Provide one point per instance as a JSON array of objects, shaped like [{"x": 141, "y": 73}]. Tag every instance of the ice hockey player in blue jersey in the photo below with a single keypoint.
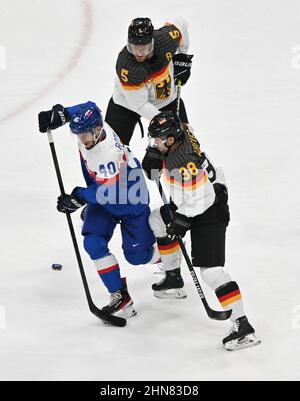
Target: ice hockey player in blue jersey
[{"x": 116, "y": 193}]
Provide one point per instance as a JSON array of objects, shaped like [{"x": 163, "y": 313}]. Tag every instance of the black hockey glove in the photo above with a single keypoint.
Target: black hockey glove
[
  {"x": 182, "y": 67},
  {"x": 70, "y": 203},
  {"x": 179, "y": 225},
  {"x": 54, "y": 118},
  {"x": 153, "y": 163},
  {"x": 167, "y": 211}
]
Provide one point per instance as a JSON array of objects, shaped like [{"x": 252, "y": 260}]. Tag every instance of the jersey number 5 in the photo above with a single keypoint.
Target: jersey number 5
[
  {"x": 124, "y": 75},
  {"x": 175, "y": 34}
]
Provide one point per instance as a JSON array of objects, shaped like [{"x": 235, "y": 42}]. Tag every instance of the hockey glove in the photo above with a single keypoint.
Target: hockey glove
[
  {"x": 179, "y": 225},
  {"x": 70, "y": 203},
  {"x": 153, "y": 163},
  {"x": 182, "y": 67},
  {"x": 54, "y": 118}
]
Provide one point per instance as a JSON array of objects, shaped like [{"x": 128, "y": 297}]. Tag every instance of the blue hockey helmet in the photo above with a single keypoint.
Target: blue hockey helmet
[{"x": 86, "y": 118}]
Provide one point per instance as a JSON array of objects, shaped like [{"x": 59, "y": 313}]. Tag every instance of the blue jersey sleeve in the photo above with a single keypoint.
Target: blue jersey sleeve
[{"x": 89, "y": 194}]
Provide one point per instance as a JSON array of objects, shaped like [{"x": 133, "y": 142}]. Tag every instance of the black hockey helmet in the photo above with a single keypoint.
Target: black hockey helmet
[
  {"x": 140, "y": 31},
  {"x": 166, "y": 124}
]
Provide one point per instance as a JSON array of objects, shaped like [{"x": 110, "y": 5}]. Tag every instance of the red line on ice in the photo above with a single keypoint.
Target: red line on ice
[{"x": 70, "y": 65}]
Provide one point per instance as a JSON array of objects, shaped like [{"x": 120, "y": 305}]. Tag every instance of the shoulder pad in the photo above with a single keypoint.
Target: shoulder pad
[
  {"x": 166, "y": 41},
  {"x": 130, "y": 72},
  {"x": 193, "y": 143}
]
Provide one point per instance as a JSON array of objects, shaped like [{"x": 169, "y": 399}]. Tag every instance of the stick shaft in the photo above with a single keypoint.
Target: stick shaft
[{"x": 69, "y": 220}]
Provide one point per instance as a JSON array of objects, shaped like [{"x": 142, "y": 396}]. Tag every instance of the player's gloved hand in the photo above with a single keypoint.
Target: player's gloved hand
[
  {"x": 153, "y": 163},
  {"x": 70, "y": 203},
  {"x": 54, "y": 118},
  {"x": 179, "y": 225},
  {"x": 182, "y": 67}
]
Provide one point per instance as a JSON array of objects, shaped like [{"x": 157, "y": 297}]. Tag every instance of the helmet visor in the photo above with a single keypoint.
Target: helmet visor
[
  {"x": 153, "y": 142},
  {"x": 141, "y": 50}
]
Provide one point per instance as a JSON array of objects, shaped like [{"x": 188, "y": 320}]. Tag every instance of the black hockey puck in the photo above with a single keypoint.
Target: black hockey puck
[{"x": 56, "y": 266}]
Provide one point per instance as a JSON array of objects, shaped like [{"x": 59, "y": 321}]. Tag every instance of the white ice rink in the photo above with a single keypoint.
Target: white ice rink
[{"x": 243, "y": 100}]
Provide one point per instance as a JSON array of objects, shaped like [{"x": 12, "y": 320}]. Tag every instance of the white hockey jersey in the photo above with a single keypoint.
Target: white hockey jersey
[
  {"x": 147, "y": 87},
  {"x": 104, "y": 160},
  {"x": 189, "y": 176},
  {"x": 112, "y": 172}
]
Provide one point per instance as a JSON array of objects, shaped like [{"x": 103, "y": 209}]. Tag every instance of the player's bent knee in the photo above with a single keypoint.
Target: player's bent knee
[
  {"x": 215, "y": 277},
  {"x": 157, "y": 224},
  {"x": 95, "y": 246},
  {"x": 140, "y": 257}
]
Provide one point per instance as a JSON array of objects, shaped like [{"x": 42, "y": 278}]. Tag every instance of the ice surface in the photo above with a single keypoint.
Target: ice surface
[{"x": 243, "y": 99}]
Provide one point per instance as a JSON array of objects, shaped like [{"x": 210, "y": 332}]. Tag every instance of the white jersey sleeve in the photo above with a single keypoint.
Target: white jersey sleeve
[{"x": 182, "y": 25}]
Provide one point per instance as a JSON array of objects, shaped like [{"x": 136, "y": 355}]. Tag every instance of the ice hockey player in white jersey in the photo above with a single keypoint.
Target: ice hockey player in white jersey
[
  {"x": 200, "y": 204},
  {"x": 116, "y": 193},
  {"x": 147, "y": 71}
]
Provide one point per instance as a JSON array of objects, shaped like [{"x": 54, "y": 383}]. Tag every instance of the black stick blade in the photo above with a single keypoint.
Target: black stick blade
[
  {"x": 216, "y": 315},
  {"x": 110, "y": 319}
]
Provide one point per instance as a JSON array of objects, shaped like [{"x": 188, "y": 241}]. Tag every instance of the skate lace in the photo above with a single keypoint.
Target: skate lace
[
  {"x": 235, "y": 327},
  {"x": 160, "y": 269},
  {"x": 115, "y": 298}
]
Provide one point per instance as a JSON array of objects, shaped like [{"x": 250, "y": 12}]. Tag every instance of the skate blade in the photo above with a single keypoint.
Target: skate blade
[
  {"x": 247, "y": 342},
  {"x": 126, "y": 313},
  {"x": 177, "y": 293}
]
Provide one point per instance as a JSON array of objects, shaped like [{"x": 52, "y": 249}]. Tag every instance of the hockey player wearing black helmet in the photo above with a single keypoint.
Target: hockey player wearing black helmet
[
  {"x": 147, "y": 72},
  {"x": 200, "y": 205},
  {"x": 140, "y": 39}
]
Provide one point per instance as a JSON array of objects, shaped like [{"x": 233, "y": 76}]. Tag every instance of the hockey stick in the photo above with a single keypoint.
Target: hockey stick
[
  {"x": 113, "y": 320},
  {"x": 179, "y": 85},
  {"x": 215, "y": 315}
]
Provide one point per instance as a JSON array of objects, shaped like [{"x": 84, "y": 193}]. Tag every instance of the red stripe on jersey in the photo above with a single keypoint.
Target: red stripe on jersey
[{"x": 109, "y": 181}]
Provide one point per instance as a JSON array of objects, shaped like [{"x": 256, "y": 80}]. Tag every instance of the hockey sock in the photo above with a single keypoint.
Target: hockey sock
[
  {"x": 230, "y": 297},
  {"x": 170, "y": 253},
  {"x": 109, "y": 272},
  {"x": 155, "y": 259}
]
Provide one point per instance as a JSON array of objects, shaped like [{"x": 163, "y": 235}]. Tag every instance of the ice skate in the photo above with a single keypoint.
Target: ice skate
[
  {"x": 121, "y": 303},
  {"x": 242, "y": 336},
  {"x": 171, "y": 286}
]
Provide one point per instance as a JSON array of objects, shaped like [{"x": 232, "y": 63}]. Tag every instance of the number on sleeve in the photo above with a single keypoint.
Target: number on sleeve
[
  {"x": 211, "y": 172},
  {"x": 175, "y": 34}
]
